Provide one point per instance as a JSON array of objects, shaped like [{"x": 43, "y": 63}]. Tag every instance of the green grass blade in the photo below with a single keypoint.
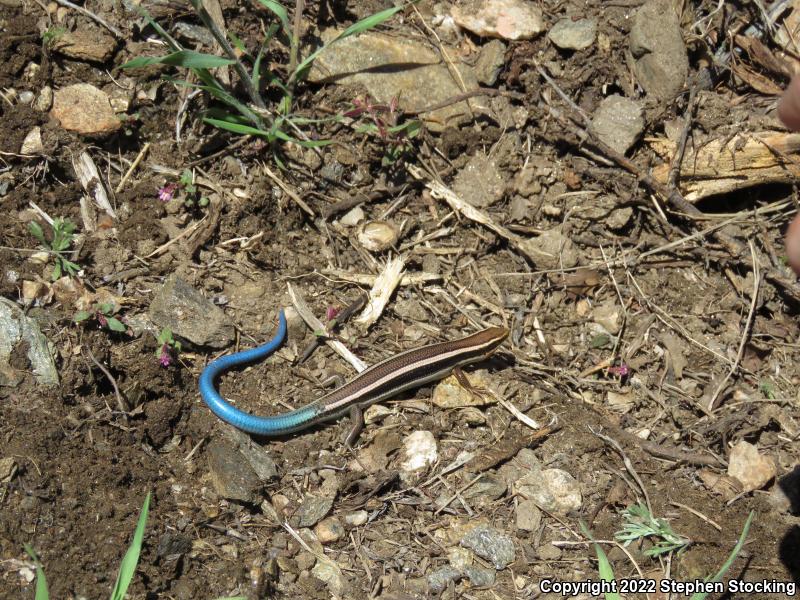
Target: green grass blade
[
  {"x": 359, "y": 27},
  {"x": 171, "y": 42},
  {"x": 732, "y": 557},
  {"x": 605, "y": 570},
  {"x": 603, "y": 566},
  {"x": 42, "y": 592},
  {"x": 279, "y": 11},
  {"x": 236, "y": 127},
  {"x": 182, "y": 58},
  {"x": 127, "y": 567},
  {"x": 304, "y": 143}
]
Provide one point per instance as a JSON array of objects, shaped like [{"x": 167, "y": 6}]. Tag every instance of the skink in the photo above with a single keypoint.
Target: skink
[{"x": 386, "y": 379}]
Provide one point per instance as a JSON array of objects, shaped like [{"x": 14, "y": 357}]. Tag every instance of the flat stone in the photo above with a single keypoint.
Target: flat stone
[
  {"x": 480, "y": 182},
  {"x": 490, "y": 61},
  {"x": 32, "y": 144},
  {"x": 439, "y": 579},
  {"x": 553, "y": 490},
  {"x": 391, "y": 67},
  {"x": 618, "y": 122},
  {"x": 190, "y": 315},
  {"x": 573, "y": 35},
  {"x": 508, "y": 19},
  {"x": 86, "y": 44},
  {"x": 661, "y": 64},
  {"x": 490, "y": 544},
  {"x": 528, "y": 516},
  {"x": 16, "y": 328},
  {"x": 480, "y": 577},
  {"x": 257, "y": 456},
  {"x": 313, "y": 509},
  {"x": 232, "y": 477},
  {"x": 330, "y": 573},
  {"x": 551, "y": 249},
  {"x": 752, "y": 469},
  {"x": 84, "y": 109}
]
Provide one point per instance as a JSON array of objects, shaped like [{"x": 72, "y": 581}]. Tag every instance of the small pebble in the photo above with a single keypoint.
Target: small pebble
[{"x": 329, "y": 530}]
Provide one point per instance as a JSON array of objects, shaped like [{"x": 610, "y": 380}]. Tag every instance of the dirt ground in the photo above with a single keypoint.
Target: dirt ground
[{"x": 675, "y": 351}]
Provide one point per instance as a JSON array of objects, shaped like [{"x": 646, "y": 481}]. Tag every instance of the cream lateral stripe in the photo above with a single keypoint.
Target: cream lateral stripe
[
  {"x": 364, "y": 389},
  {"x": 340, "y": 408}
]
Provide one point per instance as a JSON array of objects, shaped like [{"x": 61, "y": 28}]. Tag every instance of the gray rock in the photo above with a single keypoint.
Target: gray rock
[
  {"x": 329, "y": 572},
  {"x": 439, "y": 579},
  {"x": 480, "y": 182},
  {"x": 257, "y": 456},
  {"x": 508, "y": 19},
  {"x": 528, "y": 516},
  {"x": 656, "y": 44},
  {"x": 188, "y": 32},
  {"x": 490, "y": 60},
  {"x": 490, "y": 544},
  {"x": 232, "y": 477},
  {"x": 487, "y": 489},
  {"x": 313, "y": 509},
  {"x": 553, "y": 490},
  {"x": 190, "y": 315},
  {"x": 392, "y": 67},
  {"x": 173, "y": 545},
  {"x": 480, "y": 576},
  {"x": 573, "y": 35},
  {"x": 618, "y": 122},
  {"x": 15, "y": 329},
  {"x": 411, "y": 310},
  {"x": 44, "y": 100}
]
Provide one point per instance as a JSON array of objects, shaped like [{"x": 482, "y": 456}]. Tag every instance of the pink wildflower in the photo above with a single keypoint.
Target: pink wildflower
[
  {"x": 620, "y": 371},
  {"x": 166, "y": 193},
  {"x": 165, "y": 359},
  {"x": 330, "y": 313}
]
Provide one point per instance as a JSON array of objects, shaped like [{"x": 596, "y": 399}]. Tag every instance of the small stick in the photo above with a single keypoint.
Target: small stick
[
  {"x": 698, "y": 514},
  {"x": 628, "y": 465},
  {"x": 712, "y": 403},
  {"x": 316, "y": 325},
  {"x": 383, "y": 288},
  {"x": 340, "y": 318},
  {"x": 122, "y": 405},
  {"x": 289, "y": 192},
  {"x": 182, "y": 234},
  {"x": 132, "y": 168},
  {"x": 366, "y": 279},
  {"x": 91, "y": 15}
]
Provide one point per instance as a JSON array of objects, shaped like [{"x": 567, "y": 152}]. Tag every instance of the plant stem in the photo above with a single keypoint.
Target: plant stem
[
  {"x": 299, "y": 6},
  {"x": 226, "y": 47}
]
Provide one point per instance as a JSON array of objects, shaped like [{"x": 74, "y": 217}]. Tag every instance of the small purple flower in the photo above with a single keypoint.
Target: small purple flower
[
  {"x": 165, "y": 359},
  {"x": 166, "y": 193},
  {"x": 101, "y": 318},
  {"x": 330, "y": 313},
  {"x": 620, "y": 371}
]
